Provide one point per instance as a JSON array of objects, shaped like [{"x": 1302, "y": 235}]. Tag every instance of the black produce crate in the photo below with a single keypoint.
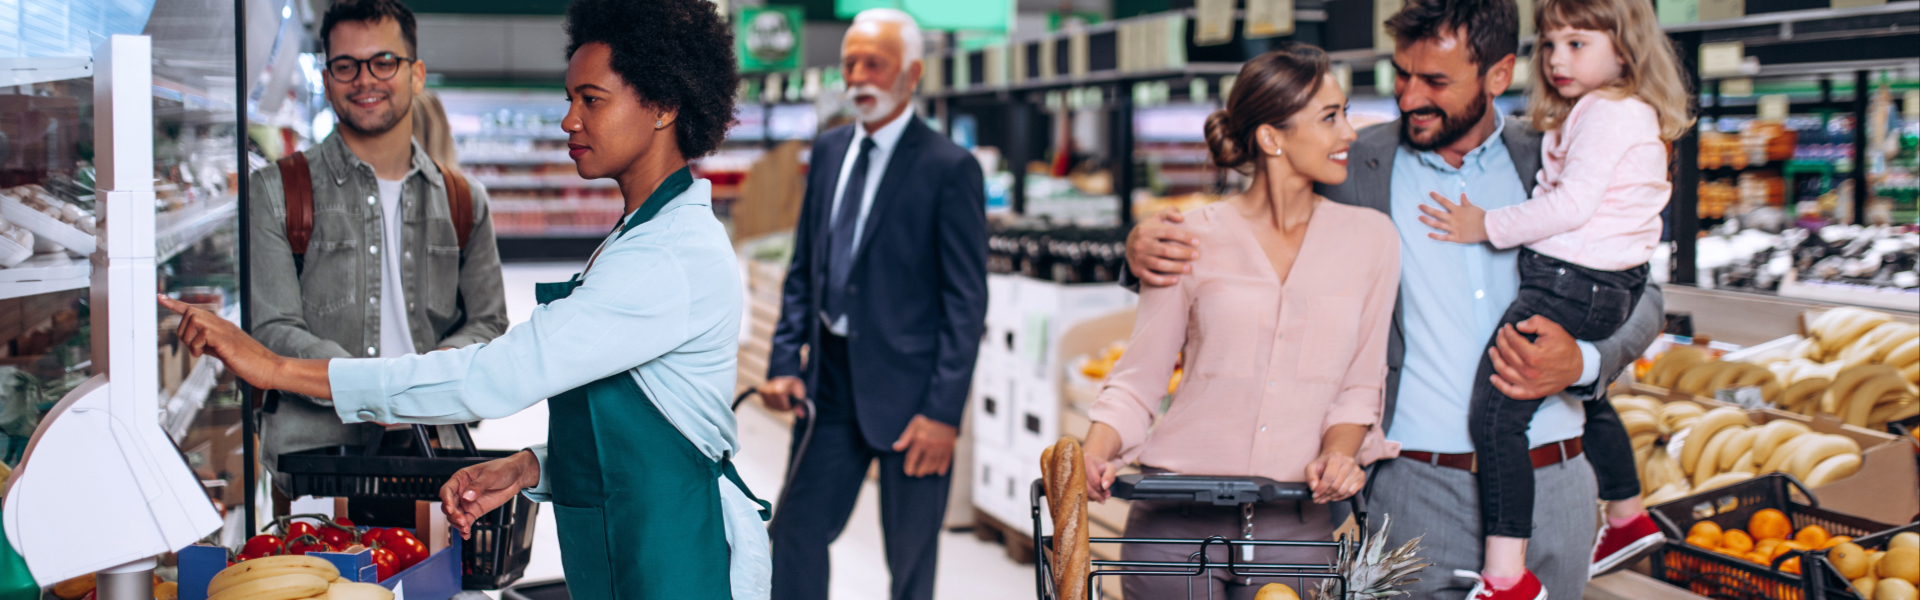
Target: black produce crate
[
  {"x": 1833, "y": 586},
  {"x": 502, "y": 540},
  {"x": 1719, "y": 576}
]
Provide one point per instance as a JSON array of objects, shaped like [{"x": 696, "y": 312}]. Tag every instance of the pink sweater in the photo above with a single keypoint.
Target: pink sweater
[
  {"x": 1270, "y": 365},
  {"x": 1602, "y": 185}
]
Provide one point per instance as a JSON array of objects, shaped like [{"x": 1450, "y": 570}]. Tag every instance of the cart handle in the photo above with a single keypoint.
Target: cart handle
[
  {"x": 1038, "y": 491},
  {"x": 799, "y": 453}
]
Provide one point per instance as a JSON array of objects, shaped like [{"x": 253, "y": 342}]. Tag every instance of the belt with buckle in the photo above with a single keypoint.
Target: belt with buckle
[{"x": 1544, "y": 456}]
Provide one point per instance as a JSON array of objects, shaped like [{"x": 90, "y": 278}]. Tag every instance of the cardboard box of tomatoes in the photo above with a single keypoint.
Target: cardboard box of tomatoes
[{"x": 391, "y": 557}]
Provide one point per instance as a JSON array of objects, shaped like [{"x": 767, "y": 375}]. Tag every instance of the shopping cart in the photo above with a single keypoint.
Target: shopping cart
[
  {"x": 1244, "y": 492},
  {"x": 799, "y": 450}
]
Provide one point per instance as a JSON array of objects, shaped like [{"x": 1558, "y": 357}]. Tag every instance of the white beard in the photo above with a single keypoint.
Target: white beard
[{"x": 884, "y": 102}]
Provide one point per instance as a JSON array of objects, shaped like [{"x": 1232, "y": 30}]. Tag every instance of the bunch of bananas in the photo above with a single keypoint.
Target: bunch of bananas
[
  {"x": 1857, "y": 365},
  {"x": 1723, "y": 446},
  {"x": 291, "y": 577}
]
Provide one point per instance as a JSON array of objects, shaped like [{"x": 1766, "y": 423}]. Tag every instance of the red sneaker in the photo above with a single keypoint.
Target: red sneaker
[
  {"x": 1617, "y": 547},
  {"x": 1528, "y": 589}
]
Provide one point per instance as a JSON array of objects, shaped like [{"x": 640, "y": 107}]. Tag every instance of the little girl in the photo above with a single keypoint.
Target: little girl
[{"x": 1608, "y": 93}]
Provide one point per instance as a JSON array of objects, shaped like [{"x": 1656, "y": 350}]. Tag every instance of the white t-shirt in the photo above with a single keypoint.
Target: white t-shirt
[{"x": 396, "y": 338}]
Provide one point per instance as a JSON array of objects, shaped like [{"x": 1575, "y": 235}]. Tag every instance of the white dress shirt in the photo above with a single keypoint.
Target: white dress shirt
[{"x": 884, "y": 141}]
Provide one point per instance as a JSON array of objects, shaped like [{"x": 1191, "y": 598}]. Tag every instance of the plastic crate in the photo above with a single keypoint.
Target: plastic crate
[
  {"x": 1717, "y": 575},
  {"x": 502, "y": 540},
  {"x": 1834, "y": 586}
]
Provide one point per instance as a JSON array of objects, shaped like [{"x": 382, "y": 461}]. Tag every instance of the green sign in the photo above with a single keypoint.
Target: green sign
[
  {"x": 847, "y": 9},
  {"x": 767, "y": 38}
]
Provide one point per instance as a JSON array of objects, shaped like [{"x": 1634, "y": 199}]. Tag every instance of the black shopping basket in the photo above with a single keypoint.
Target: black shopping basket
[
  {"x": 414, "y": 469},
  {"x": 1199, "y": 489},
  {"x": 1715, "y": 575}
]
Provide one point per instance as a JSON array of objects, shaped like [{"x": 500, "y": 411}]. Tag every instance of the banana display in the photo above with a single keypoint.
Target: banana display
[
  {"x": 1857, "y": 365},
  {"x": 291, "y": 577},
  {"x": 1723, "y": 447}
]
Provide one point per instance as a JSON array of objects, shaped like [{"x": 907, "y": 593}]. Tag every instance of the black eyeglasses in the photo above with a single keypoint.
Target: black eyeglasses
[{"x": 383, "y": 66}]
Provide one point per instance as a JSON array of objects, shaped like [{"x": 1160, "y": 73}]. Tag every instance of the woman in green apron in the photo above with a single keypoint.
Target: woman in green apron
[{"x": 636, "y": 353}]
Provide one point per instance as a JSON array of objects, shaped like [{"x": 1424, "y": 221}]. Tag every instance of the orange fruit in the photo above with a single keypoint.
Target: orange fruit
[
  {"x": 1703, "y": 542},
  {"x": 1706, "y": 530},
  {"x": 1755, "y": 557},
  {"x": 1765, "y": 547},
  {"x": 1791, "y": 566},
  {"x": 1814, "y": 536},
  {"x": 1835, "y": 541},
  {"x": 1737, "y": 541},
  {"x": 1770, "y": 524}
]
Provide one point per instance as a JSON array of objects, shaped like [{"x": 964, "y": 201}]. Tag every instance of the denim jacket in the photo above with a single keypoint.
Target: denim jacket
[{"x": 330, "y": 308}]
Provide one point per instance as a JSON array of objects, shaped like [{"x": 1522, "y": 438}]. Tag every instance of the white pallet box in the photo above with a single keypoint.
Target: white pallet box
[
  {"x": 1000, "y": 486},
  {"x": 1036, "y": 420},
  {"x": 1002, "y": 298},
  {"x": 1049, "y": 310},
  {"x": 991, "y": 405}
]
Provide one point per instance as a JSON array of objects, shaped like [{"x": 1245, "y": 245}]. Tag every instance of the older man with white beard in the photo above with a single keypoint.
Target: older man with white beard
[{"x": 888, "y": 294}]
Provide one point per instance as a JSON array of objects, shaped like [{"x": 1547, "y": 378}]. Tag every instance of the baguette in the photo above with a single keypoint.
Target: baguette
[{"x": 1066, "y": 485}]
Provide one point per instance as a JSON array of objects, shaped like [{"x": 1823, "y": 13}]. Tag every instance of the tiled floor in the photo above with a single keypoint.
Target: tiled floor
[{"x": 968, "y": 568}]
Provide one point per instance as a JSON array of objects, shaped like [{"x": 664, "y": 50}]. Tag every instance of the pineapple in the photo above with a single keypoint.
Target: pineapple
[{"x": 1371, "y": 571}]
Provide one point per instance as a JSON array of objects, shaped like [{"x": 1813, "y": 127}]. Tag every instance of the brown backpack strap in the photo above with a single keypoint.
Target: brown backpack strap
[
  {"x": 459, "y": 204},
  {"x": 296, "y": 187}
]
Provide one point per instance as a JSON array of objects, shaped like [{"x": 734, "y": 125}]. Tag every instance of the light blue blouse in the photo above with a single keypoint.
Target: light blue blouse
[{"x": 661, "y": 303}]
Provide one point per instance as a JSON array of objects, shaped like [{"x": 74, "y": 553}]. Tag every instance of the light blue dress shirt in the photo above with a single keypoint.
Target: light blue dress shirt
[
  {"x": 660, "y": 303},
  {"x": 1452, "y": 296},
  {"x": 885, "y": 139}
]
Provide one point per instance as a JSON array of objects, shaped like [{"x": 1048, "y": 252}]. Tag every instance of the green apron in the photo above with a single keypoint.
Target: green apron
[{"x": 637, "y": 504}]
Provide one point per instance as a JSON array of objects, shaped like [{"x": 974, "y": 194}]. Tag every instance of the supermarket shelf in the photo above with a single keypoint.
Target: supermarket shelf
[
  {"x": 538, "y": 157},
  {"x": 1102, "y": 77},
  {"x": 27, "y": 71},
  {"x": 180, "y": 230},
  {"x": 541, "y": 182},
  {"x": 45, "y": 273},
  {"x": 1902, "y": 300},
  {"x": 1824, "y": 68},
  {"x": 1808, "y": 25}
]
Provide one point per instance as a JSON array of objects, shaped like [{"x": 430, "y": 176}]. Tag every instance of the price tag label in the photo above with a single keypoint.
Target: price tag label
[
  {"x": 1077, "y": 54},
  {"x": 1383, "y": 41},
  {"x": 1269, "y": 18},
  {"x": 1722, "y": 10},
  {"x": 1722, "y": 58},
  {"x": 1773, "y": 107},
  {"x": 1737, "y": 88},
  {"x": 1746, "y": 397},
  {"x": 1213, "y": 22}
]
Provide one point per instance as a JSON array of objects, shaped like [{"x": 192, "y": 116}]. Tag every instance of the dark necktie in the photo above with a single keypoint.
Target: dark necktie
[{"x": 840, "y": 248}]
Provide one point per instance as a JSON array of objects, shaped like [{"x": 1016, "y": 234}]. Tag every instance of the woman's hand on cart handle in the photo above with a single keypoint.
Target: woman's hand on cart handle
[
  {"x": 205, "y": 333},
  {"x": 1099, "y": 449},
  {"x": 1334, "y": 476},
  {"x": 778, "y": 394},
  {"x": 474, "y": 491}
]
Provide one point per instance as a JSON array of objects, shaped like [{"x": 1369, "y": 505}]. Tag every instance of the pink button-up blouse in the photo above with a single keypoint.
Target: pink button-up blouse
[{"x": 1269, "y": 365}]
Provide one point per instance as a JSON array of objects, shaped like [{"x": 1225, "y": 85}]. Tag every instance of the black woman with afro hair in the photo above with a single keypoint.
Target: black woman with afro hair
[{"x": 635, "y": 355}]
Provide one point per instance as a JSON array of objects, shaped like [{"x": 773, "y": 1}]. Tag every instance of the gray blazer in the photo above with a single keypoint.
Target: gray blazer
[{"x": 1370, "y": 184}]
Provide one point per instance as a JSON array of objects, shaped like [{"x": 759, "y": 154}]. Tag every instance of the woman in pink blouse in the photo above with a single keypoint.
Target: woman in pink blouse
[{"x": 1283, "y": 325}]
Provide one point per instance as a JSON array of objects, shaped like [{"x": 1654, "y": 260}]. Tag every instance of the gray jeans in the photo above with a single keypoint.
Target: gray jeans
[{"x": 1443, "y": 504}]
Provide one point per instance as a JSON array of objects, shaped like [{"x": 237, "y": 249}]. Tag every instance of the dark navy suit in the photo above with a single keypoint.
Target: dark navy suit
[{"x": 915, "y": 301}]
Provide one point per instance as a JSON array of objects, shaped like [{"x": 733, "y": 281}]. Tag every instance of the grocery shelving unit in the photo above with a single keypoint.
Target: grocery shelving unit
[
  {"x": 46, "y": 310},
  {"x": 1832, "y": 44}
]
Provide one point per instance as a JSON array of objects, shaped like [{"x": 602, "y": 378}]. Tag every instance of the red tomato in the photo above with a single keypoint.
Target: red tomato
[
  {"x": 373, "y": 536},
  {"x": 300, "y": 528},
  {"x": 397, "y": 532},
  {"x": 385, "y": 563},
  {"x": 344, "y": 522},
  {"x": 305, "y": 544},
  {"x": 410, "y": 552},
  {"x": 264, "y": 545},
  {"x": 335, "y": 536}
]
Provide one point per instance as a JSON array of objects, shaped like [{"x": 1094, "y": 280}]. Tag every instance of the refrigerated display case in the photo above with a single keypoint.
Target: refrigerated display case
[{"x": 47, "y": 175}]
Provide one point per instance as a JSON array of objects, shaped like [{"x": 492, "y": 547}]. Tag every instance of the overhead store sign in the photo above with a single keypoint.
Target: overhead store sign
[
  {"x": 767, "y": 38},
  {"x": 974, "y": 15}
]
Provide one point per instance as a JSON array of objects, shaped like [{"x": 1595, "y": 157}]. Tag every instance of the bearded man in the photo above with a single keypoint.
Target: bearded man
[
  {"x": 888, "y": 293},
  {"x": 362, "y": 246}
]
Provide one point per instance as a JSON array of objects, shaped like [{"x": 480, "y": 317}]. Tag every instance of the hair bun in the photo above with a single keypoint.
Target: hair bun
[{"x": 1221, "y": 142}]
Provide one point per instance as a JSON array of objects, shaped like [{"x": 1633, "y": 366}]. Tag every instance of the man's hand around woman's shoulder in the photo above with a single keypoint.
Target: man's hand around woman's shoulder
[{"x": 1159, "y": 250}]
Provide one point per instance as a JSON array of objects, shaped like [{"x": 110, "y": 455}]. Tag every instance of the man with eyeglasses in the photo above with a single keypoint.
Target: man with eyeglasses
[{"x": 362, "y": 246}]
